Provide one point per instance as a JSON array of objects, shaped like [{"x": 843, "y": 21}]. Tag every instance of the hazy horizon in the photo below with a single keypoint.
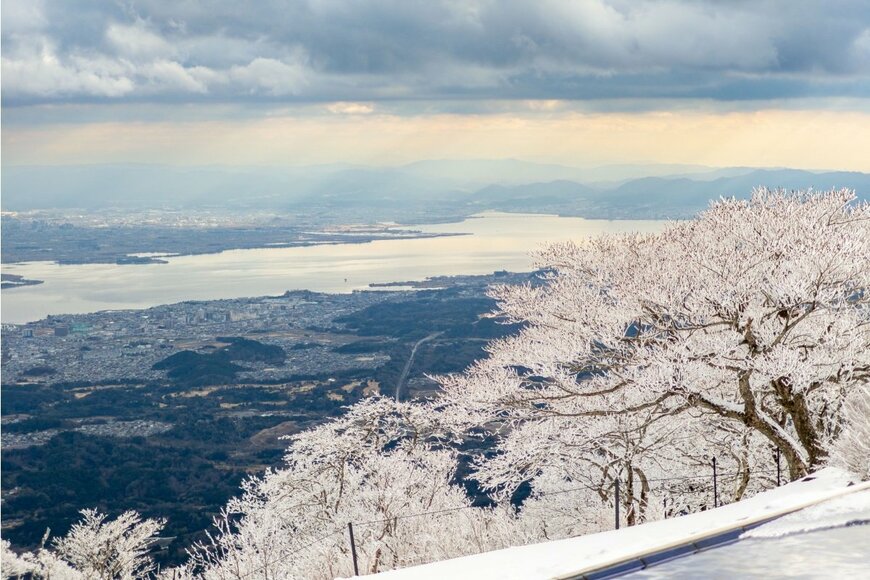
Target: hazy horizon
[{"x": 381, "y": 84}]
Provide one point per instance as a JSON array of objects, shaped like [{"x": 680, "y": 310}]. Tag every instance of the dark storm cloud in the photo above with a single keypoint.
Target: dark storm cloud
[{"x": 327, "y": 50}]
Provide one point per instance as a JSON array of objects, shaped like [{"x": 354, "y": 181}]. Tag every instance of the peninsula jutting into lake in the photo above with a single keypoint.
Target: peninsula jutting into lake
[
  {"x": 15, "y": 281},
  {"x": 478, "y": 245}
]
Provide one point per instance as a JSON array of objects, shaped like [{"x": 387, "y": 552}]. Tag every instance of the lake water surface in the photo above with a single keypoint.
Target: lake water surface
[{"x": 494, "y": 241}]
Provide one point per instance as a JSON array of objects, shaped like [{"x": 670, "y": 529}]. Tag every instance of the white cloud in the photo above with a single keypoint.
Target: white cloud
[
  {"x": 665, "y": 34},
  {"x": 271, "y": 76},
  {"x": 165, "y": 74},
  {"x": 373, "y": 50},
  {"x": 36, "y": 69},
  {"x": 547, "y": 105},
  {"x": 137, "y": 42},
  {"x": 343, "y": 108},
  {"x": 23, "y": 16}
]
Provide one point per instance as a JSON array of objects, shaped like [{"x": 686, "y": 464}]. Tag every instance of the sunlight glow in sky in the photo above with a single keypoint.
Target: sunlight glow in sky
[
  {"x": 384, "y": 82},
  {"x": 771, "y": 138}
]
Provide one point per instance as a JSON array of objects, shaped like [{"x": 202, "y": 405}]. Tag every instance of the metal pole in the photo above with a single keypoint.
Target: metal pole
[
  {"x": 715, "y": 486},
  {"x": 353, "y": 549},
  {"x": 616, "y": 503},
  {"x": 778, "y": 468}
]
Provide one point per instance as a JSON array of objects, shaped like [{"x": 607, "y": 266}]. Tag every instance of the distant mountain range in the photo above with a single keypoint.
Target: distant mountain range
[
  {"x": 439, "y": 188},
  {"x": 658, "y": 197}
]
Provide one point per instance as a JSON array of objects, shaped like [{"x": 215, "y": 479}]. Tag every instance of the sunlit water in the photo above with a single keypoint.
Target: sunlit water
[
  {"x": 495, "y": 241},
  {"x": 833, "y": 553}
]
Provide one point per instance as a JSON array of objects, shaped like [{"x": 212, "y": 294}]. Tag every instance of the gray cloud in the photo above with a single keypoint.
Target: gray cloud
[{"x": 370, "y": 50}]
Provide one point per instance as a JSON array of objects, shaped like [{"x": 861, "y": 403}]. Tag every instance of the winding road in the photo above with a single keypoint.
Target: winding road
[{"x": 408, "y": 364}]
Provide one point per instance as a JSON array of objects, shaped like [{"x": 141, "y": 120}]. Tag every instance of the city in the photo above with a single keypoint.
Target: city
[{"x": 261, "y": 368}]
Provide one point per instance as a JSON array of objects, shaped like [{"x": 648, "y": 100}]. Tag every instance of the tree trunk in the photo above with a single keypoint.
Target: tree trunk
[{"x": 796, "y": 406}]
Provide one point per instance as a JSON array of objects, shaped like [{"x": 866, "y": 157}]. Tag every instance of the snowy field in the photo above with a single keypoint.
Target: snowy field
[
  {"x": 827, "y": 540},
  {"x": 824, "y": 502},
  {"x": 830, "y": 553}
]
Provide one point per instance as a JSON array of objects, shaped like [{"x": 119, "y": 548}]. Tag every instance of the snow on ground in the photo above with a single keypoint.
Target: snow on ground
[
  {"x": 852, "y": 509},
  {"x": 827, "y": 540},
  {"x": 572, "y": 556},
  {"x": 823, "y": 554}
]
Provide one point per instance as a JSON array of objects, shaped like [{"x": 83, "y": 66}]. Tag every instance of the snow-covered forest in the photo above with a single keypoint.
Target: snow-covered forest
[{"x": 742, "y": 336}]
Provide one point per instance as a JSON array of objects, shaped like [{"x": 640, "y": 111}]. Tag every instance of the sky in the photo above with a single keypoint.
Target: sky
[{"x": 385, "y": 82}]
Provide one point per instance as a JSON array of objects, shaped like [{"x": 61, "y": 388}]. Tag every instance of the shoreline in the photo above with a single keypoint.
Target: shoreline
[
  {"x": 135, "y": 258},
  {"x": 428, "y": 283},
  {"x": 10, "y": 281},
  {"x": 483, "y": 244}
]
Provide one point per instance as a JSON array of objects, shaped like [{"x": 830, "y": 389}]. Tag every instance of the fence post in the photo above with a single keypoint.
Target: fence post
[
  {"x": 715, "y": 486},
  {"x": 353, "y": 549},
  {"x": 616, "y": 504},
  {"x": 778, "y": 468}
]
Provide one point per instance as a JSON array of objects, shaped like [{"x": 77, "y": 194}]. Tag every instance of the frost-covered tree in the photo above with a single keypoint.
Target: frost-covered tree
[
  {"x": 43, "y": 564},
  {"x": 375, "y": 466},
  {"x": 851, "y": 449},
  {"x": 640, "y": 358},
  {"x": 110, "y": 549},
  {"x": 93, "y": 549},
  {"x": 643, "y": 356}
]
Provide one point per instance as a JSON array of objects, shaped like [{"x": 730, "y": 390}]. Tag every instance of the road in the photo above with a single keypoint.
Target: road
[{"x": 408, "y": 364}]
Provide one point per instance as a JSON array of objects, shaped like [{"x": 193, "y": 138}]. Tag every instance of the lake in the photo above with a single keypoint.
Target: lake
[{"x": 493, "y": 241}]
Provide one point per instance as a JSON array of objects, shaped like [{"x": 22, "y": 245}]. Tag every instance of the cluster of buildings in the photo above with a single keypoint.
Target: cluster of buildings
[
  {"x": 134, "y": 428},
  {"x": 125, "y": 344}
]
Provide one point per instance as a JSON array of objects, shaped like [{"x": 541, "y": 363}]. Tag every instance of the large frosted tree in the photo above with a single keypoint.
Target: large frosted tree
[
  {"x": 640, "y": 358},
  {"x": 730, "y": 335},
  {"x": 380, "y": 466},
  {"x": 95, "y": 548}
]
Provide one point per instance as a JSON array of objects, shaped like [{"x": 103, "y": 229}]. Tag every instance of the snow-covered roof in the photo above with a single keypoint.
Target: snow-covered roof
[{"x": 574, "y": 557}]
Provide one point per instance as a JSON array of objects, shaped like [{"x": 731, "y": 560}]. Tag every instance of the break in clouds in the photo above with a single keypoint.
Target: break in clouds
[{"x": 152, "y": 50}]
